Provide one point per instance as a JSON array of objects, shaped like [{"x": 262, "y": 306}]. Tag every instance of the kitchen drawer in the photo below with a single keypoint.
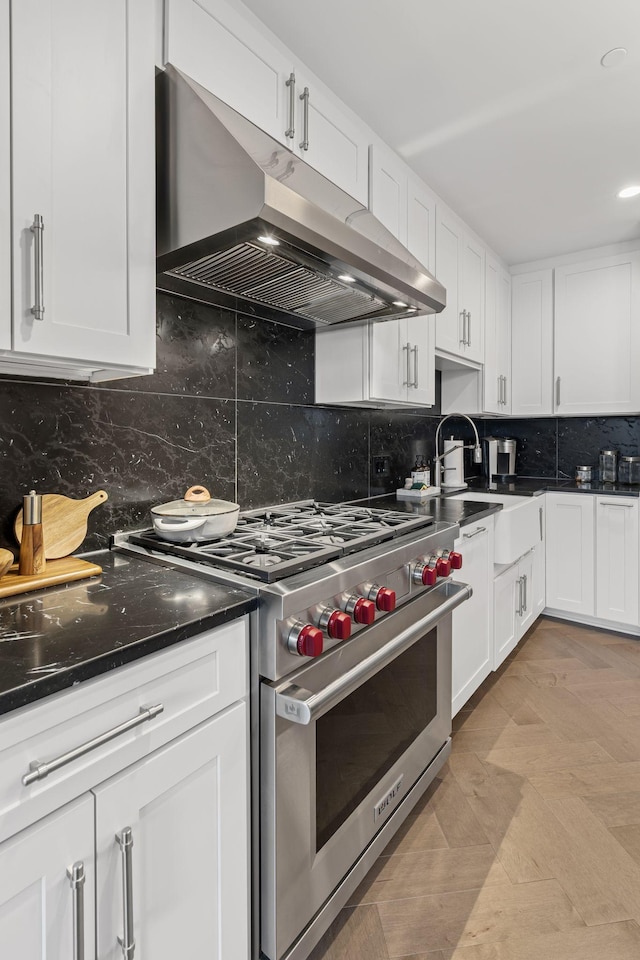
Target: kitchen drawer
[{"x": 193, "y": 680}]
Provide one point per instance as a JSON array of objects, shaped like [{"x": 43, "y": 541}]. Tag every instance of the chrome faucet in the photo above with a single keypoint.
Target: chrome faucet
[{"x": 477, "y": 449}]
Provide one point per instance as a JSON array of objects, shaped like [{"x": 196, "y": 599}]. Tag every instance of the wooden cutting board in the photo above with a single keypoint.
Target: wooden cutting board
[
  {"x": 57, "y": 571},
  {"x": 64, "y": 522}
]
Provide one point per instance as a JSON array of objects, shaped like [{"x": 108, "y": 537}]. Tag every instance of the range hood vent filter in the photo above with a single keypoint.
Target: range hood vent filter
[{"x": 262, "y": 276}]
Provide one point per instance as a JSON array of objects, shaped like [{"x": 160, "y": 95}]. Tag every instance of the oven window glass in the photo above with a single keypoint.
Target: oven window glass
[{"x": 361, "y": 738}]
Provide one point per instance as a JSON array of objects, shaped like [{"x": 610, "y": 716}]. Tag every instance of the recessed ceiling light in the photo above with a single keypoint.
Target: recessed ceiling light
[
  {"x": 613, "y": 57},
  {"x": 346, "y": 278},
  {"x": 628, "y": 192},
  {"x": 269, "y": 240},
  {"x": 399, "y": 303},
  {"x": 413, "y": 309}
]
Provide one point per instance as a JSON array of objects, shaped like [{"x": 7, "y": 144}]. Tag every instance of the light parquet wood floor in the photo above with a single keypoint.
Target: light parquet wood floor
[{"x": 527, "y": 846}]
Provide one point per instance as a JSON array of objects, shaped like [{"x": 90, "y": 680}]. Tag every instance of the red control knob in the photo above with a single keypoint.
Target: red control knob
[
  {"x": 443, "y": 567},
  {"x": 307, "y": 640},
  {"x": 429, "y": 575},
  {"x": 362, "y": 610},
  {"x": 339, "y": 625},
  {"x": 386, "y": 599},
  {"x": 455, "y": 559}
]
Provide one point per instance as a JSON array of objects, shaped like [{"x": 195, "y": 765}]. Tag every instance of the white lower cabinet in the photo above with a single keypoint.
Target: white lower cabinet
[
  {"x": 472, "y": 621},
  {"x": 515, "y": 605},
  {"x": 168, "y": 834},
  {"x": 570, "y": 531},
  {"x": 185, "y": 807},
  {"x": 36, "y": 895},
  {"x": 593, "y": 551},
  {"x": 616, "y": 567}
]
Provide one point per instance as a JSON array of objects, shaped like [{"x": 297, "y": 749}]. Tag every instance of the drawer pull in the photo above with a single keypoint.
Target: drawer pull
[
  {"x": 468, "y": 536},
  {"x": 127, "y": 941},
  {"x": 38, "y": 770},
  {"x": 77, "y": 878}
]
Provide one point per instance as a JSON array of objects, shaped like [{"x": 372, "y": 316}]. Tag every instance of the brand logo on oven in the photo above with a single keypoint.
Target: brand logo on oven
[{"x": 383, "y": 805}]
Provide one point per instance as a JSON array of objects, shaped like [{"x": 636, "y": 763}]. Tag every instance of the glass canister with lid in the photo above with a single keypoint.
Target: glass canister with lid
[
  {"x": 608, "y": 466},
  {"x": 629, "y": 470}
]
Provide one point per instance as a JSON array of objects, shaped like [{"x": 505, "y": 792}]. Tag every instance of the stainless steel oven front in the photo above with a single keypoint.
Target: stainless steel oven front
[{"x": 349, "y": 743}]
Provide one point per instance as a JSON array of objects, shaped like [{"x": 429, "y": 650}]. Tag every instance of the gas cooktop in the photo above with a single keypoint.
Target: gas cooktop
[{"x": 276, "y": 542}]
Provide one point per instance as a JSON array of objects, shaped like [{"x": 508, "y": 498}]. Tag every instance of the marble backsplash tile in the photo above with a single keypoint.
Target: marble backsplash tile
[{"x": 231, "y": 406}]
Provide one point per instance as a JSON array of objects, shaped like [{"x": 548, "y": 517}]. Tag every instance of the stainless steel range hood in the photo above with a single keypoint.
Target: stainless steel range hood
[{"x": 245, "y": 223}]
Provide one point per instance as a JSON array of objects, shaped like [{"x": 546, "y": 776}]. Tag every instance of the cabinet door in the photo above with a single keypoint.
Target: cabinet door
[
  {"x": 388, "y": 190},
  {"x": 525, "y": 594},
  {"x": 449, "y": 252},
  {"x": 570, "y": 552},
  {"x": 222, "y": 51},
  {"x": 503, "y": 336},
  {"x": 597, "y": 336},
  {"x": 493, "y": 383},
  {"x": 532, "y": 343},
  {"x": 617, "y": 559},
  {"x": 83, "y": 160},
  {"x": 420, "y": 335},
  {"x": 5, "y": 179},
  {"x": 36, "y": 899},
  {"x": 473, "y": 254},
  {"x": 505, "y": 617},
  {"x": 389, "y": 361},
  {"x": 187, "y": 807},
  {"x": 337, "y": 145},
  {"x": 421, "y": 223},
  {"x": 472, "y": 652}
]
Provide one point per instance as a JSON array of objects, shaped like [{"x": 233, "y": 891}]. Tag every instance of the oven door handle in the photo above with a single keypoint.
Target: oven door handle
[{"x": 299, "y": 705}]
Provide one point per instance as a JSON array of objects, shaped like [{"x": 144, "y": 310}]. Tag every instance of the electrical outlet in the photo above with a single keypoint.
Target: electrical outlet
[{"x": 381, "y": 466}]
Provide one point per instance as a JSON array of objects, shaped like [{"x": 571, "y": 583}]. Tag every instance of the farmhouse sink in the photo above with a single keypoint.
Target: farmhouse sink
[{"x": 518, "y": 526}]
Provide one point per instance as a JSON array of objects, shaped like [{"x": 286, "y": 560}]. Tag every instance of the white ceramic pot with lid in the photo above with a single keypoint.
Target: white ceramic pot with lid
[{"x": 196, "y": 517}]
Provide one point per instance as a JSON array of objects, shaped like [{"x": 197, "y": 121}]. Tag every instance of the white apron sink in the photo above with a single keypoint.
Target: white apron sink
[{"x": 518, "y": 526}]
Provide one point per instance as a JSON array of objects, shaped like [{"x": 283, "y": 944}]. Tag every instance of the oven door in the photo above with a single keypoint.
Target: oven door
[{"x": 343, "y": 740}]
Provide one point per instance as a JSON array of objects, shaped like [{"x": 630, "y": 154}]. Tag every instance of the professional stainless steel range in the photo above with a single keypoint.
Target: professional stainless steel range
[{"x": 351, "y": 661}]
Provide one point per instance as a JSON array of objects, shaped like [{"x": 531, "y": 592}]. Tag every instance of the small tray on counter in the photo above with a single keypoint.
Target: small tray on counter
[{"x": 57, "y": 571}]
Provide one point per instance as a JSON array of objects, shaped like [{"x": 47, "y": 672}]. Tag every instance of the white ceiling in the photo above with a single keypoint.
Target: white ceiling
[{"x": 501, "y": 106}]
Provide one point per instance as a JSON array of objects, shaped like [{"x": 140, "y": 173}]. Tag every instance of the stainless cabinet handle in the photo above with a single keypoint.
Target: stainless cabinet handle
[
  {"x": 39, "y": 770},
  {"x": 127, "y": 941},
  {"x": 305, "y": 119},
  {"x": 525, "y": 581},
  {"x": 407, "y": 382},
  {"x": 519, "y": 607},
  {"x": 541, "y": 532},
  {"x": 499, "y": 390},
  {"x": 77, "y": 878},
  {"x": 415, "y": 367},
  {"x": 291, "y": 83},
  {"x": 463, "y": 317},
  {"x": 468, "y": 536},
  {"x": 299, "y": 705},
  {"x": 37, "y": 229},
  {"x": 468, "y": 328},
  {"x": 504, "y": 380},
  {"x": 557, "y": 391},
  {"x": 613, "y": 503}
]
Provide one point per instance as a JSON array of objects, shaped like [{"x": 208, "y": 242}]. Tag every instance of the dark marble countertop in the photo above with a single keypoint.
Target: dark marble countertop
[
  {"x": 442, "y": 508},
  {"x": 52, "y": 639},
  {"x": 532, "y": 486}
]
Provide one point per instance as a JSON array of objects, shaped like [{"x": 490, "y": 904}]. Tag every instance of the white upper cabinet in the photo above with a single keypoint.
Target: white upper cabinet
[
  {"x": 497, "y": 330},
  {"x": 532, "y": 343},
  {"x": 225, "y": 52},
  {"x": 5, "y": 176},
  {"x": 388, "y": 186},
  {"x": 384, "y": 364},
  {"x": 82, "y": 145},
  {"x": 403, "y": 203},
  {"x": 460, "y": 268},
  {"x": 597, "y": 336},
  {"x": 421, "y": 223}
]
